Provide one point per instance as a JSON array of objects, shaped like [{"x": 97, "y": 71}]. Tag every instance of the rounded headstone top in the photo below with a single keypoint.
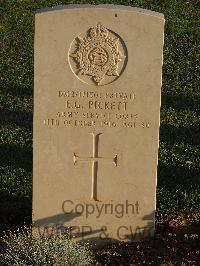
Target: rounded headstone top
[{"x": 102, "y": 6}]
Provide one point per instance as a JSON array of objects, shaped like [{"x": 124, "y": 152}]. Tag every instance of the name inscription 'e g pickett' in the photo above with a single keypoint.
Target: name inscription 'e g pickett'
[{"x": 98, "y": 105}]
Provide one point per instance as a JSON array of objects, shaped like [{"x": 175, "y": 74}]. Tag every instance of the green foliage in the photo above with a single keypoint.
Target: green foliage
[
  {"x": 23, "y": 248},
  {"x": 179, "y": 153}
]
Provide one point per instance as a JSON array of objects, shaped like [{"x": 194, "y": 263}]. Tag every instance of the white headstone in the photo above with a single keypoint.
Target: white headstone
[{"x": 96, "y": 121}]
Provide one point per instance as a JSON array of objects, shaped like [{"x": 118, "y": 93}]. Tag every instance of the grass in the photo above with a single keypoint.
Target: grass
[
  {"x": 55, "y": 250},
  {"x": 179, "y": 152}
]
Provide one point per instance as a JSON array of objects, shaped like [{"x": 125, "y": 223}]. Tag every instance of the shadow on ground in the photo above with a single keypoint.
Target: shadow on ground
[{"x": 170, "y": 246}]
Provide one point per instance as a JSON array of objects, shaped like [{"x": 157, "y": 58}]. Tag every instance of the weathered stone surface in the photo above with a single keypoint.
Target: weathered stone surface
[{"x": 96, "y": 121}]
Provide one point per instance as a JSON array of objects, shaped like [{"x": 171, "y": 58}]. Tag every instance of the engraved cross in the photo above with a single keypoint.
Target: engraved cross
[{"x": 95, "y": 159}]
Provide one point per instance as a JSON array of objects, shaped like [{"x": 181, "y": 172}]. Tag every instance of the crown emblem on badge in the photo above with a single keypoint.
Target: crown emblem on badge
[{"x": 97, "y": 55}]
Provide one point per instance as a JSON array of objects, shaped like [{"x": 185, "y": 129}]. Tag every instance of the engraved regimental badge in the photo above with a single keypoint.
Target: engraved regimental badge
[{"x": 99, "y": 57}]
